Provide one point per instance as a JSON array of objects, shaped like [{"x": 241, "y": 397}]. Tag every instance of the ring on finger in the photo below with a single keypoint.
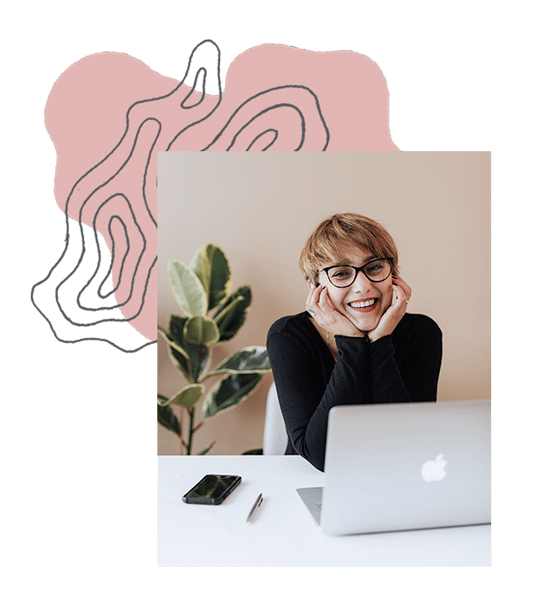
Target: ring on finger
[{"x": 311, "y": 312}]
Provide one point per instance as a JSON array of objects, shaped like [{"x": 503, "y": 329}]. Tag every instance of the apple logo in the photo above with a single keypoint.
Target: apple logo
[{"x": 434, "y": 469}]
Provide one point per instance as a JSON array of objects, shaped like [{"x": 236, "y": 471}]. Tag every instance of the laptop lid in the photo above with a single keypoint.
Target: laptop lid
[{"x": 407, "y": 466}]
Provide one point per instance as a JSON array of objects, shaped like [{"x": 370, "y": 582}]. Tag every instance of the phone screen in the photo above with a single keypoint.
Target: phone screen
[{"x": 213, "y": 488}]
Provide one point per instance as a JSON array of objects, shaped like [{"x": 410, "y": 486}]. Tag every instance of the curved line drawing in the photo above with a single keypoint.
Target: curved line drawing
[
  {"x": 110, "y": 209},
  {"x": 97, "y": 270},
  {"x": 134, "y": 133},
  {"x": 261, "y": 135},
  {"x": 234, "y": 139},
  {"x": 110, "y": 270},
  {"x": 265, "y": 92}
]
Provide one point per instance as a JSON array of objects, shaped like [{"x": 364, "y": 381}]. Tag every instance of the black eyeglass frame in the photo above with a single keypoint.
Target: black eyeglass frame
[{"x": 357, "y": 269}]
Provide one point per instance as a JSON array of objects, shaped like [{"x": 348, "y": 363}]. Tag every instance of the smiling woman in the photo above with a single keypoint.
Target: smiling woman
[{"x": 355, "y": 343}]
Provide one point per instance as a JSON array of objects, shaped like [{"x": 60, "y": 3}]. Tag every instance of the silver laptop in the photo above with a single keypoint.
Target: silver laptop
[{"x": 405, "y": 466}]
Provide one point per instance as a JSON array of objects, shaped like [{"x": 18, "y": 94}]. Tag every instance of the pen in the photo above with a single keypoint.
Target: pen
[{"x": 256, "y": 505}]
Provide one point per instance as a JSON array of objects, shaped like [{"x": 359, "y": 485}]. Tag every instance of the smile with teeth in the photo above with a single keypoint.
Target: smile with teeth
[{"x": 363, "y": 303}]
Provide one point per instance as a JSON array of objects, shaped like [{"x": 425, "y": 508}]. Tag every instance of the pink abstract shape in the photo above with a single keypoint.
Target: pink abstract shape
[
  {"x": 350, "y": 89},
  {"x": 109, "y": 114}
]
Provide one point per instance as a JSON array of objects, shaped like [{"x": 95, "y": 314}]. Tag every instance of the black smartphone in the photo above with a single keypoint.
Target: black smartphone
[{"x": 212, "y": 489}]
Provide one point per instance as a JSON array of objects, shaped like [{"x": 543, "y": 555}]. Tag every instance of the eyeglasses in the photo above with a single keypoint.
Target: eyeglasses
[{"x": 375, "y": 271}]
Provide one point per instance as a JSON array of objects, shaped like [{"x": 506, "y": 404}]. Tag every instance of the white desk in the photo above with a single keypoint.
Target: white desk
[{"x": 282, "y": 532}]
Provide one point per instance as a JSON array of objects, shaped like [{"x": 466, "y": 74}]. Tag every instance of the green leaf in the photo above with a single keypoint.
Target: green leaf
[
  {"x": 177, "y": 324},
  {"x": 167, "y": 419},
  {"x": 212, "y": 268},
  {"x": 181, "y": 363},
  {"x": 177, "y": 345},
  {"x": 205, "y": 451},
  {"x": 229, "y": 392},
  {"x": 199, "y": 358},
  {"x": 225, "y": 313},
  {"x": 190, "y": 359},
  {"x": 253, "y": 359},
  {"x": 178, "y": 355},
  {"x": 187, "y": 289},
  {"x": 187, "y": 397},
  {"x": 201, "y": 330},
  {"x": 231, "y": 316}
]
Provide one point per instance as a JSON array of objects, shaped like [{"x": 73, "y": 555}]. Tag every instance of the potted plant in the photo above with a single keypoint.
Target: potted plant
[{"x": 211, "y": 315}]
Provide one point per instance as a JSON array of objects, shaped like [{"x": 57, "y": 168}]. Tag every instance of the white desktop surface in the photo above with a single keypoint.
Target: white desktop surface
[{"x": 283, "y": 532}]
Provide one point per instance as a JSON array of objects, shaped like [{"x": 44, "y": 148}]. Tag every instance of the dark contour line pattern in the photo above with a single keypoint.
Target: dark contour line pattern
[
  {"x": 110, "y": 270},
  {"x": 202, "y": 72}
]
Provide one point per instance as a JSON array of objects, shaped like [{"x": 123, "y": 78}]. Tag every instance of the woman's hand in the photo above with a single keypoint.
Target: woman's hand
[
  {"x": 326, "y": 316},
  {"x": 400, "y": 298}
]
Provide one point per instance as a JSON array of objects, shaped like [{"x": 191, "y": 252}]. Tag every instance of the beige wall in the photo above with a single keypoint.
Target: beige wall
[{"x": 260, "y": 208}]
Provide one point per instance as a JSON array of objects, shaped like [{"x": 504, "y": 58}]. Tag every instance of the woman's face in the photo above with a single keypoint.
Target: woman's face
[{"x": 363, "y": 302}]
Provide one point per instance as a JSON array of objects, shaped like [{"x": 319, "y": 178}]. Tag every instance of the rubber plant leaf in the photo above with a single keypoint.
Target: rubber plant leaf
[
  {"x": 167, "y": 419},
  {"x": 199, "y": 358},
  {"x": 178, "y": 355},
  {"x": 201, "y": 330},
  {"x": 196, "y": 357},
  {"x": 229, "y": 392},
  {"x": 187, "y": 397},
  {"x": 177, "y": 324},
  {"x": 205, "y": 451},
  {"x": 173, "y": 343},
  {"x": 187, "y": 289},
  {"x": 181, "y": 363},
  {"x": 211, "y": 266},
  {"x": 253, "y": 359},
  {"x": 231, "y": 316}
]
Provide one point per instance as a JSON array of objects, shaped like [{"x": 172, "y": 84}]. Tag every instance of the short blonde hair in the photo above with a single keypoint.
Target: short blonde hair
[{"x": 324, "y": 246}]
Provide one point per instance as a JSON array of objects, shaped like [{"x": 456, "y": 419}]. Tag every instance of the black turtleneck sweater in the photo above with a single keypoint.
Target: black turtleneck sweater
[{"x": 402, "y": 367}]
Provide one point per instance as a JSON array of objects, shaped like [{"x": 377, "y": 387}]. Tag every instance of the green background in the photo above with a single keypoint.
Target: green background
[{"x": 80, "y": 431}]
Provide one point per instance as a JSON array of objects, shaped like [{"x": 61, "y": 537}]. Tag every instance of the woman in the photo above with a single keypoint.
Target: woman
[{"x": 355, "y": 343}]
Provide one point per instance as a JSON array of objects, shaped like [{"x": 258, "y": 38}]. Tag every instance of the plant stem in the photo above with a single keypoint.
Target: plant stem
[
  {"x": 195, "y": 371},
  {"x": 190, "y": 439},
  {"x": 181, "y": 431}
]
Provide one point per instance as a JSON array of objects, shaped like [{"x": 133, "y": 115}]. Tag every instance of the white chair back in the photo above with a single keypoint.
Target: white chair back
[{"x": 275, "y": 436}]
